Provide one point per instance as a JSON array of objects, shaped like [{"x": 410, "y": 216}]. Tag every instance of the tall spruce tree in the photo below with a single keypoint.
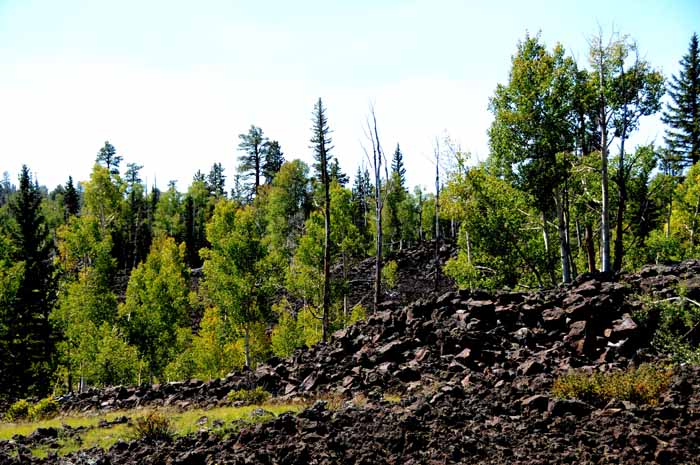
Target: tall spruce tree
[
  {"x": 335, "y": 172},
  {"x": 71, "y": 199},
  {"x": 321, "y": 145},
  {"x": 273, "y": 161},
  {"x": 398, "y": 167},
  {"x": 682, "y": 113},
  {"x": 30, "y": 345},
  {"x": 216, "y": 181}
]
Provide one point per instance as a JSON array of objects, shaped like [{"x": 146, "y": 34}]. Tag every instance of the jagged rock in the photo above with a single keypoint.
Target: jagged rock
[{"x": 474, "y": 371}]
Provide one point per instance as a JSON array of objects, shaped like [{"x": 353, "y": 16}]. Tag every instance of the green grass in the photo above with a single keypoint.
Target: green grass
[
  {"x": 641, "y": 385},
  {"x": 183, "y": 423}
]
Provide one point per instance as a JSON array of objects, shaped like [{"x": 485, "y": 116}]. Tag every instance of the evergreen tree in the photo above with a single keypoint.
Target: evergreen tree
[
  {"x": 321, "y": 141},
  {"x": 6, "y": 188},
  {"x": 71, "y": 199},
  {"x": 137, "y": 225},
  {"x": 169, "y": 214},
  {"x": 397, "y": 167},
  {"x": 336, "y": 173},
  {"x": 30, "y": 345},
  {"x": 216, "y": 181},
  {"x": 253, "y": 145},
  {"x": 682, "y": 114},
  {"x": 108, "y": 157},
  {"x": 361, "y": 193},
  {"x": 274, "y": 158}
]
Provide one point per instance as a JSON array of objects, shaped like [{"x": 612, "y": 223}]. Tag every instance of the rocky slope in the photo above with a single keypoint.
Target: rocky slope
[{"x": 474, "y": 371}]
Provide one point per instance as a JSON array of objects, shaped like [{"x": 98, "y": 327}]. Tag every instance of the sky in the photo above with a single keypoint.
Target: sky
[{"x": 171, "y": 84}]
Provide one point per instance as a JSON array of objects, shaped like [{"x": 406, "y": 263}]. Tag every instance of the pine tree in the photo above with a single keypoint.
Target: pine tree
[
  {"x": 336, "y": 173},
  {"x": 253, "y": 145},
  {"x": 109, "y": 158},
  {"x": 216, "y": 181},
  {"x": 397, "y": 166},
  {"x": 682, "y": 114},
  {"x": 30, "y": 348},
  {"x": 136, "y": 218},
  {"x": 6, "y": 188},
  {"x": 321, "y": 141},
  {"x": 273, "y": 161},
  {"x": 71, "y": 199}
]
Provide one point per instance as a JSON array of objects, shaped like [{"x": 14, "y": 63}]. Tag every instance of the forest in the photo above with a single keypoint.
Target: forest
[{"x": 108, "y": 281}]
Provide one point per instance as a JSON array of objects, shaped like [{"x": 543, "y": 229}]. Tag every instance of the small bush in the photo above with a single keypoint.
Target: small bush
[
  {"x": 153, "y": 427},
  {"x": 44, "y": 409},
  {"x": 359, "y": 312},
  {"x": 642, "y": 385},
  {"x": 390, "y": 274},
  {"x": 677, "y": 324},
  {"x": 18, "y": 411},
  {"x": 255, "y": 396}
]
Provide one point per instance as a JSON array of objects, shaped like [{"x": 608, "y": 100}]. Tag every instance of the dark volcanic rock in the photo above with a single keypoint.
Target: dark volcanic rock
[{"x": 474, "y": 371}]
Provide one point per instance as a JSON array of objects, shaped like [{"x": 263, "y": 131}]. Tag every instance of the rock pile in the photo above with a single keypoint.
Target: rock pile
[
  {"x": 459, "y": 336},
  {"x": 474, "y": 371}
]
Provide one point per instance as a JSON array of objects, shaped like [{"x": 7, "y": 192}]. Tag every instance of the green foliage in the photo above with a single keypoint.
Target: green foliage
[
  {"x": 642, "y": 385},
  {"x": 682, "y": 115},
  {"x": 686, "y": 211},
  {"x": 500, "y": 240},
  {"x": 169, "y": 215},
  {"x": 239, "y": 277},
  {"x": 305, "y": 273},
  {"x": 390, "y": 274},
  {"x": 358, "y": 313},
  {"x": 44, "y": 409},
  {"x": 26, "y": 358},
  {"x": 157, "y": 303},
  {"x": 255, "y": 396},
  {"x": 22, "y": 410},
  {"x": 287, "y": 205},
  {"x": 252, "y": 160},
  {"x": 115, "y": 361},
  {"x": 287, "y": 335},
  {"x": 155, "y": 426},
  {"x": 18, "y": 411},
  {"x": 677, "y": 333}
]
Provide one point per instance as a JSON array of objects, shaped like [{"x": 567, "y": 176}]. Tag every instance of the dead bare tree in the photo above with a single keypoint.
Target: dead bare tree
[{"x": 375, "y": 159}]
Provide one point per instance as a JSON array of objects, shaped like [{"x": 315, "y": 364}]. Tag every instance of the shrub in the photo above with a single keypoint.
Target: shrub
[
  {"x": 18, "y": 411},
  {"x": 287, "y": 336},
  {"x": 153, "y": 427},
  {"x": 253, "y": 396},
  {"x": 44, "y": 409},
  {"x": 642, "y": 385},
  {"x": 677, "y": 324},
  {"x": 359, "y": 312},
  {"x": 390, "y": 274}
]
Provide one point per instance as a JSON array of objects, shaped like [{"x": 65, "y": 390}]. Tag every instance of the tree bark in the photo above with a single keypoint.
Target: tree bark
[
  {"x": 326, "y": 246},
  {"x": 590, "y": 247},
  {"x": 437, "y": 217},
  {"x": 246, "y": 344},
  {"x": 563, "y": 242}
]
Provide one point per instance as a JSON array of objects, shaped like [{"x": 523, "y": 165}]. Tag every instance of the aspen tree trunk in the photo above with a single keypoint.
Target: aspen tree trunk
[
  {"x": 246, "y": 345},
  {"x": 563, "y": 244}
]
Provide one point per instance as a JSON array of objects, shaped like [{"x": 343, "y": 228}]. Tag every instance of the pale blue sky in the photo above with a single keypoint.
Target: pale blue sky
[{"x": 171, "y": 84}]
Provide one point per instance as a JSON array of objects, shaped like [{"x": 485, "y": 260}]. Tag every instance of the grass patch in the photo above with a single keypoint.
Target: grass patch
[
  {"x": 642, "y": 385},
  {"x": 180, "y": 424},
  {"x": 255, "y": 396}
]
